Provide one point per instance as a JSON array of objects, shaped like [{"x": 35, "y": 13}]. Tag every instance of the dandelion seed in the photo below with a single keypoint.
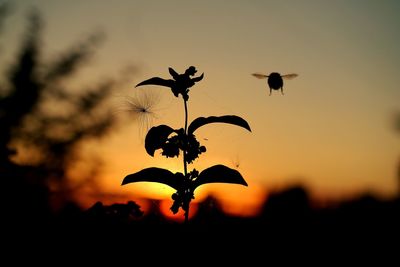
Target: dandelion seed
[{"x": 141, "y": 107}]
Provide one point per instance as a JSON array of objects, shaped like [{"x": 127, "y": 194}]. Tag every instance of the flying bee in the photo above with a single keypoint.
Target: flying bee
[{"x": 275, "y": 80}]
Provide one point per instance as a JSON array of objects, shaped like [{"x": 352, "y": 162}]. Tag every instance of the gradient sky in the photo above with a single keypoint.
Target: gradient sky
[{"x": 333, "y": 128}]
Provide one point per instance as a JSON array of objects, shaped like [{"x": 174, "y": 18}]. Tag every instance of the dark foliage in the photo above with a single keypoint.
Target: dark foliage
[
  {"x": 47, "y": 122},
  {"x": 288, "y": 225}
]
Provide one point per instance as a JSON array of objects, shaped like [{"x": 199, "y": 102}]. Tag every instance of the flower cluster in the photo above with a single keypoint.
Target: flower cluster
[{"x": 184, "y": 142}]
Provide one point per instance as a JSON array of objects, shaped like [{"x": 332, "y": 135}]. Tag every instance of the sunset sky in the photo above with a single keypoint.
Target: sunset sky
[{"x": 332, "y": 131}]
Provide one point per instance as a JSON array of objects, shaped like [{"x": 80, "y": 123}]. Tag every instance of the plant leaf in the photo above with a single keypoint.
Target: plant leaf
[
  {"x": 173, "y": 73},
  {"x": 157, "y": 81},
  {"x": 199, "y": 78},
  {"x": 231, "y": 119},
  {"x": 219, "y": 174},
  {"x": 157, "y": 175},
  {"x": 156, "y": 138}
]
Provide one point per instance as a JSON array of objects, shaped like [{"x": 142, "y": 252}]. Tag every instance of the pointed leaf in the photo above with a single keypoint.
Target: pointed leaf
[
  {"x": 156, "y": 138},
  {"x": 157, "y": 175},
  {"x": 231, "y": 119},
  {"x": 219, "y": 174},
  {"x": 173, "y": 73},
  {"x": 199, "y": 78},
  {"x": 157, "y": 81}
]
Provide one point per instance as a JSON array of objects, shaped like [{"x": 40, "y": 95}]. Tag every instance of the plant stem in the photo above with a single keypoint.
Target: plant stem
[
  {"x": 186, "y": 115},
  {"x": 184, "y": 152},
  {"x": 184, "y": 157}
]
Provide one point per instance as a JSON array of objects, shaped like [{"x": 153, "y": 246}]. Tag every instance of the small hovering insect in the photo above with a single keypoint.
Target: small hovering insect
[{"x": 275, "y": 80}]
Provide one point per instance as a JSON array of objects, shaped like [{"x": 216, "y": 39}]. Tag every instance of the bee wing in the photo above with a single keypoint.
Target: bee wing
[
  {"x": 259, "y": 75},
  {"x": 290, "y": 76}
]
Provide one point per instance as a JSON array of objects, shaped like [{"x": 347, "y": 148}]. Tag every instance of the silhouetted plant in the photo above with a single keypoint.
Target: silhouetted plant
[{"x": 173, "y": 142}]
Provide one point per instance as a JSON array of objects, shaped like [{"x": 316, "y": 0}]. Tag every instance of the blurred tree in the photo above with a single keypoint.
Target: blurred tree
[
  {"x": 46, "y": 123},
  {"x": 3, "y": 12},
  {"x": 397, "y": 122},
  {"x": 397, "y": 128}
]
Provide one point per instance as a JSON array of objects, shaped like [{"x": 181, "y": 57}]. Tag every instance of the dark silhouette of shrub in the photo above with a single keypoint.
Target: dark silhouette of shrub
[{"x": 47, "y": 123}]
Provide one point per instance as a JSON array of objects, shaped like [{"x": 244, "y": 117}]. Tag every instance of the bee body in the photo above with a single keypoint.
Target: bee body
[{"x": 275, "y": 80}]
